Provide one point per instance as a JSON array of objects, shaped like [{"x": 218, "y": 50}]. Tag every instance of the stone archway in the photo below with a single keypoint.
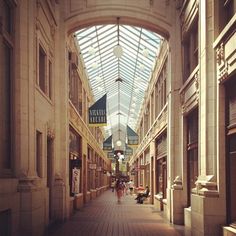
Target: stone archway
[
  {"x": 157, "y": 16},
  {"x": 160, "y": 16}
]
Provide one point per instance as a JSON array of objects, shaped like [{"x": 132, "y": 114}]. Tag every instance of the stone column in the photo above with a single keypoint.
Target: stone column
[
  {"x": 174, "y": 132},
  {"x": 32, "y": 194},
  {"x": 60, "y": 188},
  {"x": 207, "y": 209}
]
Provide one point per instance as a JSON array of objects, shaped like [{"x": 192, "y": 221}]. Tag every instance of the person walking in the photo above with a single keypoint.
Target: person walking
[
  {"x": 113, "y": 183},
  {"x": 131, "y": 187},
  {"x": 119, "y": 190}
]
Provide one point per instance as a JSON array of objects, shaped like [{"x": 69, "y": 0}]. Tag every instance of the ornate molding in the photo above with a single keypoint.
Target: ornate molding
[
  {"x": 196, "y": 80},
  {"x": 223, "y": 72},
  {"x": 205, "y": 186},
  {"x": 222, "y": 64},
  {"x": 220, "y": 53},
  {"x": 50, "y": 130},
  {"x": 59, "y": 180},
  {"x": 177, "y": 183}
]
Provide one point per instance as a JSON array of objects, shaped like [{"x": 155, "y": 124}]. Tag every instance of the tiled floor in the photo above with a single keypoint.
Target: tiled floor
[{"x": 104, "y": 216}]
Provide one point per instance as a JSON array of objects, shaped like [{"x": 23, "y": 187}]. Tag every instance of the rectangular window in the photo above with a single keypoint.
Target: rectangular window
[
  {"x": 231, "y": 150},
  {"x": 42, "y": 69},
  {"x": 7, "y": 17},
  {"x": 152, "y": 108},
  {"x": 195, "y": 45},
  {"x": 50, "y": 79},
  {"x": 39, "y": 153},
  {"x": 75, "y": 162},
  {"x": 80, "y": 97},
  {"x": 227, "y": 10},
  {"x": 186, "y": 59},
  {"x": 50, "y": 172},
  {"x": 192, "y": 152},
  {"x": 6, "y": 82},
  {"x": 231, "y": 98},
  {"x": 5, "y": 108},
  {"x": 161, "y": 174},
  {"x": 156, "y": 100},
  {"x": 190, "y": 50}
]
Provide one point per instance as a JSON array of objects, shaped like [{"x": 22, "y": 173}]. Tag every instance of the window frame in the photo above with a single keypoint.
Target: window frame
[{"x": 8, "y": 41}]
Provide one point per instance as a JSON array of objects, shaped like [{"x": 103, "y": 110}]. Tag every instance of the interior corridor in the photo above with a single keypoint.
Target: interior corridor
[{"x": 105, "y": 216}]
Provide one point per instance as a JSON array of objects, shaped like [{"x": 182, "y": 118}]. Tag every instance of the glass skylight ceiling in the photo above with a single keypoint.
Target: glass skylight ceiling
[{"x": 123, "y": 79}]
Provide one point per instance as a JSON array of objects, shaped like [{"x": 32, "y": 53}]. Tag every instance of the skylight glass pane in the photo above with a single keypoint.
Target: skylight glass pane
[{"x": 102, "y": 62}]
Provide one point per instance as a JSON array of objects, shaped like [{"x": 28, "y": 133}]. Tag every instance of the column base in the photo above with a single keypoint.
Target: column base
[
  {"x": 207, "y": 215},
  {"x": 33, "y": 212}
]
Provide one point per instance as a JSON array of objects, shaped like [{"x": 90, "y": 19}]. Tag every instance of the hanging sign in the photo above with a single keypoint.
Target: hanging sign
[
  {"x": 107, "y": 144},
  {"x": 132, "y": 137},
  {"x": 97, "y": 112}
]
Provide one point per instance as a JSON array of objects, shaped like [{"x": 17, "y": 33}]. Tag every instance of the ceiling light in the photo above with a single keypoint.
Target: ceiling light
[
  {"x": 100, "y": 89},
  {"x": 91, "y": 51},
  {"x": 142, "y": 67},
  {"x": 95, "y": 65},
  {"x": 118, "y": 51},
  {"x": 145, "y": 52},
  {"x": 98, "y": 79},
  {"x": 118, "y": 143}
]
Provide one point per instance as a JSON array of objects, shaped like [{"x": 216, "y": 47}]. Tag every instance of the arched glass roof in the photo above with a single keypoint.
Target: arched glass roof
[{"x": 124, "y": 79}]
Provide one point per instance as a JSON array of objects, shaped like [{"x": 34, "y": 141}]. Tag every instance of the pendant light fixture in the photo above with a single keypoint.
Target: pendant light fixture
[{"x": 118, "y": 51}]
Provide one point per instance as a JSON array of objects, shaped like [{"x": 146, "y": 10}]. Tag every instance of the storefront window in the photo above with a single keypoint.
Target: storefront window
[
  {"x": 161, "y": 165},
  {"x": 192, "y": 152},
  {"x": 231, "y": 151},
  {"x": 75, "y": 163}
]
